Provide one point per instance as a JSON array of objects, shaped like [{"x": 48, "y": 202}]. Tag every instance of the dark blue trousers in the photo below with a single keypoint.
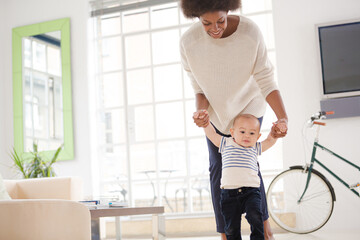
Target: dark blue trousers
[
  {"x": 235, "y": 202},
  {"x": 215, "y": 166}
]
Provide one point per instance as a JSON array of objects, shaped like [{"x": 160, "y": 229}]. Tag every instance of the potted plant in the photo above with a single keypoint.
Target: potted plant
[{"x": 36, "y": 166}]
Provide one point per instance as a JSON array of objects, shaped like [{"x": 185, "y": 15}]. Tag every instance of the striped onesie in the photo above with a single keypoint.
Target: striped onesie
[{"x": 239, "y": 164}]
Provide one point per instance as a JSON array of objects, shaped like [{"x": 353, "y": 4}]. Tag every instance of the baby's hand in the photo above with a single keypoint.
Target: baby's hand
[
  {"x": 201, "y": 118},
  {"x": 279, "y": 128}
]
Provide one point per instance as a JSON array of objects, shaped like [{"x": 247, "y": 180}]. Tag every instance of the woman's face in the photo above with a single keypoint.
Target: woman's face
[{"x": 214, "y": 23}]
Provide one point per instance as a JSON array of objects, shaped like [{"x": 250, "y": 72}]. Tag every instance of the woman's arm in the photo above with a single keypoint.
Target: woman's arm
[{"x": 281, "y": 126}]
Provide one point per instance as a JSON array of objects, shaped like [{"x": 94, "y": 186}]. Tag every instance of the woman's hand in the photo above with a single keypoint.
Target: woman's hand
[
  {"x": 201, "y": 118},
  {"x": 279, "y": 128}
]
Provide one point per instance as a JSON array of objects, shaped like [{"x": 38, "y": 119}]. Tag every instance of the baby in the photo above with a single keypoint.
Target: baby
[{"x": 240, "y": 182}]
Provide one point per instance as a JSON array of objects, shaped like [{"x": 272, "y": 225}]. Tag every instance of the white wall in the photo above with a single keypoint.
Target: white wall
[
  {"x": 2, "y": 88},
  {"x": 17, "y": 13},
  {"x": 299, "y": 80}
]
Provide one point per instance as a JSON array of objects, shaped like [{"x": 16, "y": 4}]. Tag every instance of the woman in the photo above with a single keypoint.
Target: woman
[{"x": 226, "y": 59}]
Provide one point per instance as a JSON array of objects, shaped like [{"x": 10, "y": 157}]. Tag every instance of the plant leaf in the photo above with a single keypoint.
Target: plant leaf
[
  {"x": 18, "y": 162},
  {"x": 54, "y": 159}
]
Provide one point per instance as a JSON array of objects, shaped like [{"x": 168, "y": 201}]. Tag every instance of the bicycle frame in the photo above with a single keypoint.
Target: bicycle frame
[{"x": 315, "y": 160}]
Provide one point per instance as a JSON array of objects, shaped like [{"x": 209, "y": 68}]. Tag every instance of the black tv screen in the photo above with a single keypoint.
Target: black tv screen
[{"x": 340, "y": 58}]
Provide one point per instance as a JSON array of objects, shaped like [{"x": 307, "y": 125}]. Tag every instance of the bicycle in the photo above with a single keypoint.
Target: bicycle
[{"x": 301, "y": 199}]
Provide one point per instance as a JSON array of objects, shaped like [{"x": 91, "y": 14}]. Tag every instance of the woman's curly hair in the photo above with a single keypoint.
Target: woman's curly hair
[{"x": 196, "y": 8}]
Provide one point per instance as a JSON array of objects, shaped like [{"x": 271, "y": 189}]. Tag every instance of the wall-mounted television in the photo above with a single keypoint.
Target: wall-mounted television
[{"x": 339, "y": 50}]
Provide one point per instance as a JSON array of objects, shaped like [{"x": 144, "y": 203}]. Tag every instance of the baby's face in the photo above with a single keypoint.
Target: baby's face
[{"x": 246, "y": 131}]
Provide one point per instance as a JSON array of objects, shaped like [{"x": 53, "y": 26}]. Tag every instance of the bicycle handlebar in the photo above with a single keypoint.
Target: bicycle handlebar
[
  {"x": 327, "y": 113},
  {"x": 320, "y": 115},
  {"x": 319, "y": 123}
]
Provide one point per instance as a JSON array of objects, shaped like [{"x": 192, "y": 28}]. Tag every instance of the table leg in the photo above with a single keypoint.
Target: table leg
[
  {"x": 158, "y": 224},
  {"x": 118, "y": 228},
  {"x": 95, "y": 229}
]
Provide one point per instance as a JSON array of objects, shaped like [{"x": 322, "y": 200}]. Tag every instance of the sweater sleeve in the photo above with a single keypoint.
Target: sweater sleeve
[
  {"x": 184, "y": 60},
  {"x": 263, "y": 71}
]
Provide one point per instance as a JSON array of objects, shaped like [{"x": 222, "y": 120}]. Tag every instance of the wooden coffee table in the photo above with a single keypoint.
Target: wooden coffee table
[{"x": 156, "y": 212}]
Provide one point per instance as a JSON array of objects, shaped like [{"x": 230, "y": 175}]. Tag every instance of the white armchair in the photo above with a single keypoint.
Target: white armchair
[{"x": 44, "y": 209}]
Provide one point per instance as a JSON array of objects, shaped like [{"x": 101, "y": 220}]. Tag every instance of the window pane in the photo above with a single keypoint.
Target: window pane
[
  {"x": 142, "y": 159},
  {"x": 115, "y": 151},
  {"x": 41, "y": 121},
  {"x": 42, "y": 144},
  {"x": 54, "y": 144},
  {"x": 28, "y": 124},
  {"x": 113, "y": 92},
  {"x": 166, "y": 46},
  {"x": 114, "y": 123},
  {"x": 199, "y": 157},
  {"x": 191, "y": 128},
  {"x": 58, "y": 93},
  {"x": 40, "y": 88},
  {"x": 201, "y": 198},
  {"x": 172, "y": 158},
  {"x": 251, "y": 6},
  {"x": 145, "y": 194},
  {"x": 164, "y": 15},
  {"x": 169, "y": 120},
  {"x": 111, "y": 54},
  {"x": 59, "y": 124},
  {"x": 135, "y": 20},
  {"x": 116, "y": 190},
  {"x": 177, "y": 195},
  {"x": 114, "y": 166},
  {"x": 265, "y": 23},
  {"x": 27, "y": 52},
  {"x": 110, "y": 25},
  {"x": 139, "y": 86},
  {"x": 168, "y": 83},
  {"x": 144, "y": 123},
  {"x": 39, "y": 56},
  {"x": 137, "y": 51},
  {"x": 189, "y": 92},
  {"x": 28, "y": 145},
  {"x": 54, "y": 60},
  {"x": 27, "y": 85}
]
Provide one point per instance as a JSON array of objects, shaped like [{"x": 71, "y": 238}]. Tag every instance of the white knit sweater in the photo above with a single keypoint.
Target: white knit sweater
[{"x": 234, "y": 73}]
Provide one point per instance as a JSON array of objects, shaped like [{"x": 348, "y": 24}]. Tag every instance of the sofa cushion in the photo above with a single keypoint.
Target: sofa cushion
[
  {"x": 33, "y": 219},
  {"x": 3, "y": 193},
  {"x": 69, "y": 188}
]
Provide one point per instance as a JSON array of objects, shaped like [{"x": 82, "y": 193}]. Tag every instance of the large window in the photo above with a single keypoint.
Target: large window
[{"x": 149, "y": 150}]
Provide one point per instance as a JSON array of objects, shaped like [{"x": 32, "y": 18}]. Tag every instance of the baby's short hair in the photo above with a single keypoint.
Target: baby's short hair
[
  {"x": 245, "y": 115},
  {"x": 196, "y": 8}
]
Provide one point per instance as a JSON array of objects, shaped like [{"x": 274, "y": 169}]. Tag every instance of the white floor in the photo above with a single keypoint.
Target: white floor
[
  {"x": 319, "y": 235},
  {"x": 289, "y": 236}
]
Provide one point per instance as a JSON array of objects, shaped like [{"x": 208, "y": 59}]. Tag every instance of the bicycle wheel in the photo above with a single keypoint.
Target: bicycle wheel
[{"x": 312, "y": 212}]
